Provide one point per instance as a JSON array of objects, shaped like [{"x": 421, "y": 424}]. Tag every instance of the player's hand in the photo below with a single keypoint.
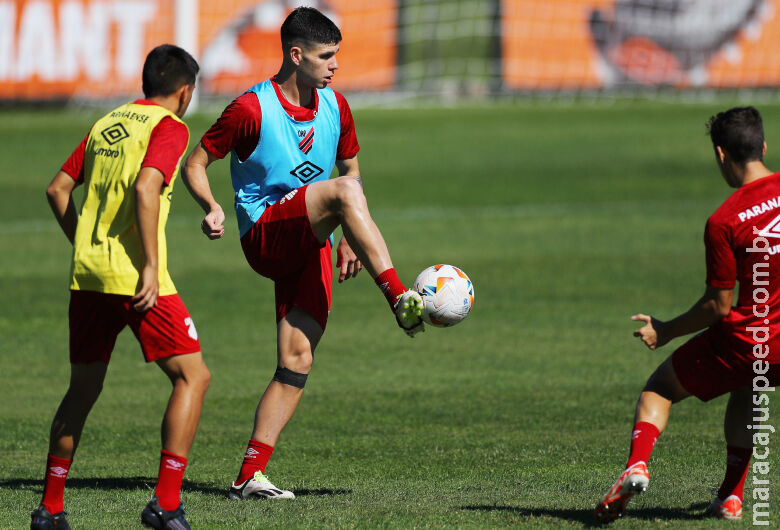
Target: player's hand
[
  {"x": 146, "y": 297},
  {"x": 348, "y": 263},
  {"x": 652, "y": 332},
  {"x": 213, "y": 223}
]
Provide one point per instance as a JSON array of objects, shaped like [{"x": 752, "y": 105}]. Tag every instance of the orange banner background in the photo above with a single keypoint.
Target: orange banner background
[
  {"x": 55, "y": 49},
  {"x": 550, "y": 46}
]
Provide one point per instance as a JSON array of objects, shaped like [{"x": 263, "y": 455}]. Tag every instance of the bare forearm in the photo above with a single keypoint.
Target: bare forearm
[
  {"x": 59, "y": 194},
  {"x": 703, "y": 314},
  {"x": 65, "y": 211},
  {"x": 147, "y": 216},
  {"x": 196, "y": 180}
]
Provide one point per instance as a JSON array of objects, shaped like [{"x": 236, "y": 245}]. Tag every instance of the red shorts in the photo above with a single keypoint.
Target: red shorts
[
  {"x": 97, "y": 318},
  {"x": 708, "y": 373},
  {"x": 282, "y": 246}
]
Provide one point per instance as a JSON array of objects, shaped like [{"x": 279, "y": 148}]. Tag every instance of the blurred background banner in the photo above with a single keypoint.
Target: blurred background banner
[
  {"x": 576, "y": 44},
  {"x": 94, "y": 49},
  {"x": 62, "y": 49}
]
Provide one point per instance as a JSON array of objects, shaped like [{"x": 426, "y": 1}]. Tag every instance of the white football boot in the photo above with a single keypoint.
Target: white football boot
[
  {"x": 258, "y": 487},
  {"x": 408, "y": 312}
]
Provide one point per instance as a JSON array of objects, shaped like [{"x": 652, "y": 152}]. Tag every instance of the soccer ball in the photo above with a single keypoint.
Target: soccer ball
[{"x": 447, "y": 295}]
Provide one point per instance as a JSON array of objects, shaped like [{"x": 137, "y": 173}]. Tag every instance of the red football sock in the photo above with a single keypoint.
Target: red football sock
[
  {"x": 54, "y": 483},
  {"x": 642, "y": 442},
  {"x": 390, "y": 285},
  {"x": 171, "y": 474},
  {"x": 255, "y": 459},
  {"x": 737, "y": 465}
]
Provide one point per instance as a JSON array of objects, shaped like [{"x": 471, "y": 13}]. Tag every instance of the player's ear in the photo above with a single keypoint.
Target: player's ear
[
  {"x": 184, "y": 96},
  {"x": 296, "y": 55},
  {"x": 721, "y": 154},
  {"x": 763, "y": 151}
]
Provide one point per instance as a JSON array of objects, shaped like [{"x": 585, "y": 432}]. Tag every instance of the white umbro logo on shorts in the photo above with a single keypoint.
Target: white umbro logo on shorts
[
  {"x": 288, "y": 196},
  {"x": 191, "y": 331}
]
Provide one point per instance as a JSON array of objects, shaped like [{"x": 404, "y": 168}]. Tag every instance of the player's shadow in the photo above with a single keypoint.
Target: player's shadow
[
  {"x": 146, "y": 483},
  {"x": 585, "y": 516},
  {"x": 110, "y": 483}
]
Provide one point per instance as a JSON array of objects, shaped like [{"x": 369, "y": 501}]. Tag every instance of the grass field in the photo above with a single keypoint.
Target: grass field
[{"x": 568, "y": 219}]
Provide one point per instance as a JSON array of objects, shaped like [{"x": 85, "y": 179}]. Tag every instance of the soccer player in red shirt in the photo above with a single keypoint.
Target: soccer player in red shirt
[
  {"x": 128, "y": 163},
  {"x": 285, "y": 135},
  {"x": 739, "y": 350}
]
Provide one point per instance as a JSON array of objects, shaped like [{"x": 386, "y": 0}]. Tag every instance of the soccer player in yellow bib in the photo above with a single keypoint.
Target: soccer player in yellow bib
[{"x": 128, "y": 163}]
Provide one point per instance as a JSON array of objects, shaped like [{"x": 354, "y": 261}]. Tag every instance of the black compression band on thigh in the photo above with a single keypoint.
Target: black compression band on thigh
[{"x": 288, "y": 377}]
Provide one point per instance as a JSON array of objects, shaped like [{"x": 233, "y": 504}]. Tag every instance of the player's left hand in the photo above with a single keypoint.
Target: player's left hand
[
  {"x": 348, "y": 263},
  {"x": 651, "y": 333},
  {"x": 146, "y": 297}
]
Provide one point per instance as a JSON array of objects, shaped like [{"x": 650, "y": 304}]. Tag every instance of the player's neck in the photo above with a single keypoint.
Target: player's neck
[
  {"x": 295, "y": 92},
  {"x": 754, "y": 171}
]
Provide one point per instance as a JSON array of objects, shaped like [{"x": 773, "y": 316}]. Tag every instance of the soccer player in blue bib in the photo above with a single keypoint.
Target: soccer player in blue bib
[{"x": 284, "y": 137}]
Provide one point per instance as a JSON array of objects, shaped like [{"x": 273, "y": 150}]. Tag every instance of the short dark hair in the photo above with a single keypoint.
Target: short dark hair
[
  {"x": 166, "y": 69},
  {"x": 740, "y": 132},
  {"x": 307, "y": 25}
]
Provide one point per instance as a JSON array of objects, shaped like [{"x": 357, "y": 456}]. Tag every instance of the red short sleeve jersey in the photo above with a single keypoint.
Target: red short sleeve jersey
[
  {"x": 238, "y": 128},
  {"x": 166, "y": 146},
  {"x": 742, "y": 240}
]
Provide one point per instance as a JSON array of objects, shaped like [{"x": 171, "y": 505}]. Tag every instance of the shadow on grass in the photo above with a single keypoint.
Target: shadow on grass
[
  {"x": 585, "y": 516},
  {"x": 145, "y": 483}
]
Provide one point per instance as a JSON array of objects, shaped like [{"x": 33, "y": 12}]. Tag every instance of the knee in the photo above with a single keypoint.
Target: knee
[
  {"x": 298, "y": 358},
  {"x": 348, "y": 191},
  {"x": 201, "y": 379}
]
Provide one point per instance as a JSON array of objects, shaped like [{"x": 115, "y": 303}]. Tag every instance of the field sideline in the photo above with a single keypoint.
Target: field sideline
[{"x": 568, "y": 220}]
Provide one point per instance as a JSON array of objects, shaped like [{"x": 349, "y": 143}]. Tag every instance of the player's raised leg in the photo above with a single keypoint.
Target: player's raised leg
[
  {"x": 652, "y": 413},
  {"x": 86, "y": 383},
  {"x": 341, "y": 202},
  {"x": 739, "y": 447},
  {"x": 190, "y": 379},
  {"x": 298, "y": 334}
]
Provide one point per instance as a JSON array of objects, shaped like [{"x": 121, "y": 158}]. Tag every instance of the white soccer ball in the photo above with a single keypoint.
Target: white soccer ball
[{"x": 447, "y": 294}]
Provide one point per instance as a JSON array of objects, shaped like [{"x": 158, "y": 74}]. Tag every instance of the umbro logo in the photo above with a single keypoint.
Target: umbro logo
[
  {"x": 58, "y": 471},
  {"x": 306, "y": 172},
  {"x": 114, "y": 133},
  {"x": 175, "y": 465},
  {"x": 772, "y": 229},
  {"x": 252, "y": 452}
]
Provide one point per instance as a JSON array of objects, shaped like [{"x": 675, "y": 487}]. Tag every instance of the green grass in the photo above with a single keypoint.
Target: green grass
[{"x": 568, "y": 220}]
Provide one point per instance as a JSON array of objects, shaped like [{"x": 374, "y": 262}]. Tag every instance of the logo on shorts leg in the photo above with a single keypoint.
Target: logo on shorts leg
[
  {"x": 288, "y": 196},
  {"x": 306, "y": 172},
  {"x": 191, "y": 331}
]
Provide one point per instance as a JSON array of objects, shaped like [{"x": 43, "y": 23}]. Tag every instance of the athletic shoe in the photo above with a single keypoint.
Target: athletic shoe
[
  {"x": 43, "y": 520},
  {"x": 258, "y": 487},
  {"x": 632, "y": 481},
  {"x": 154, "y": 516},
  {"x": 730, "y": 509},
  {"x": 408, "y": 312}
]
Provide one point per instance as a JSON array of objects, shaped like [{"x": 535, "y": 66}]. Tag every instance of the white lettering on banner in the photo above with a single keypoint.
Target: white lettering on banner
[
  {"x": 132, "y": 18},
  {"x": 84, "y": 47},
  {"x": 77, "y": 41},
  {"x": 7, "y": 26},
  {"x": 36, "y": 53}
]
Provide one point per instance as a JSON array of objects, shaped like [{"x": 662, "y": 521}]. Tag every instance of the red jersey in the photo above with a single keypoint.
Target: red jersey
[
  {"x": 239, "y": 125},
  {"x": 166, "y": 146},
  {"x": 742, "y": 240}
]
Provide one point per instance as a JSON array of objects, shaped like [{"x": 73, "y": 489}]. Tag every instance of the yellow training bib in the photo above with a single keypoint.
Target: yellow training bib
[{"x": 107, "y": 252}]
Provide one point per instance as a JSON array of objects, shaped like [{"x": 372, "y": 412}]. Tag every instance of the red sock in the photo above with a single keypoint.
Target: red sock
[
  {"x": 255, "y": 459},
  {"x": 642, "y": 442},
  {"x": 169, "y": 479},
  {"x": 54, "y": 483},
  {"x": 737, "y": 465},
  {"x": 390, "y": 285}
]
